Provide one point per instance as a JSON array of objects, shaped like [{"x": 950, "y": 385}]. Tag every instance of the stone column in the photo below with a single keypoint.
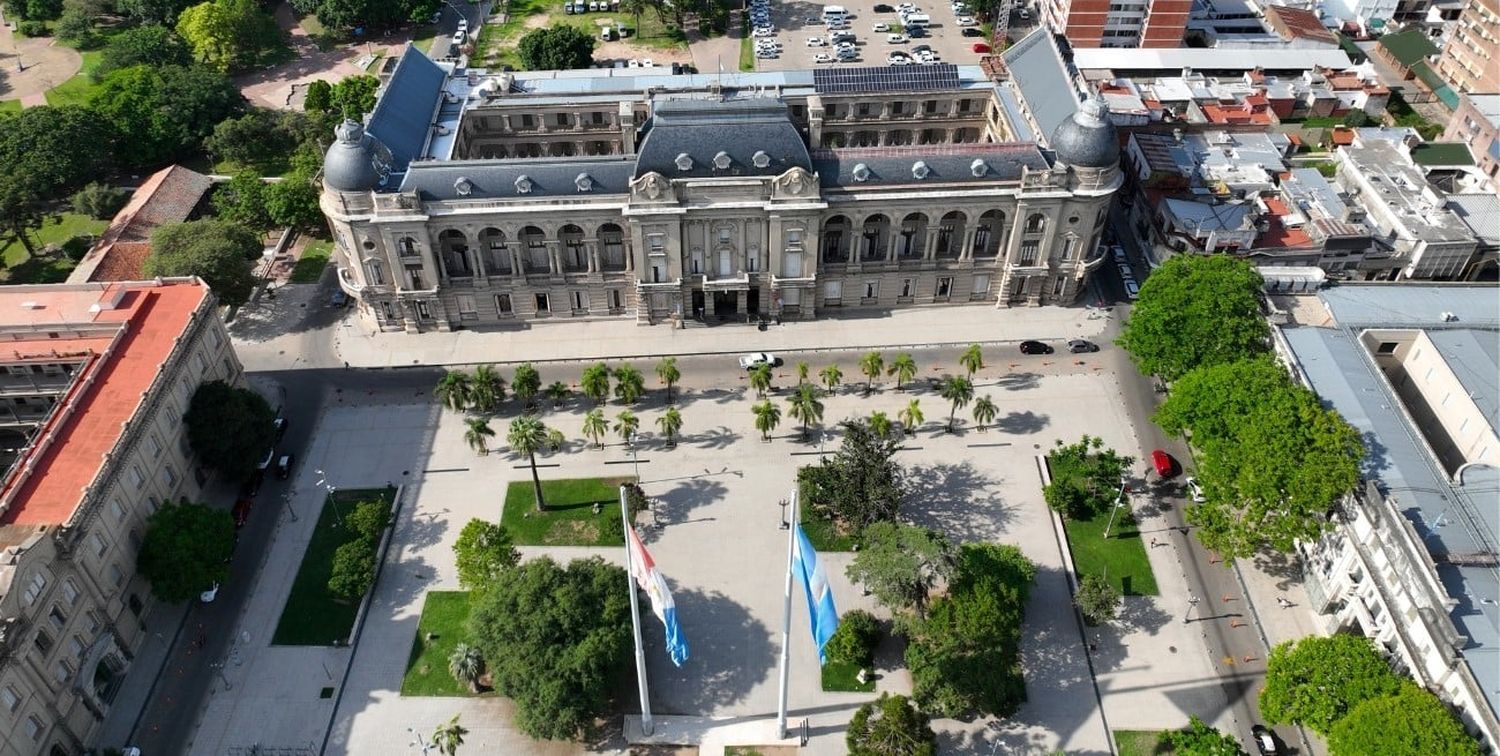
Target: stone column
[
  {"x": 594, "y": 263},
  {"x": 929, "y": 247},
  {"x": 966, "y": 252},
  {"x": 554, "y": 257}
]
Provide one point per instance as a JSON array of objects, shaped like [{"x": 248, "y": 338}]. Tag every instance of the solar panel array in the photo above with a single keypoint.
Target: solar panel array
[{"x": 886, "y": 79}]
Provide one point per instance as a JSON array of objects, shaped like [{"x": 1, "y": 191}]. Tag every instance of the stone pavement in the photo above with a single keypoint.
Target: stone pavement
[
  {"x": 565, "y": 339},
  {"x": 162, "y": 626}
]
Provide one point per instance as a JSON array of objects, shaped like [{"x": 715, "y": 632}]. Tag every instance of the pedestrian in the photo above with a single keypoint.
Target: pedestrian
[{"x": 1155, "y": 543}]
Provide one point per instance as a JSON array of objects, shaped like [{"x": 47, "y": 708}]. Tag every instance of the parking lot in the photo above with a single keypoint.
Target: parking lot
[{"x": 796, "y": 21}]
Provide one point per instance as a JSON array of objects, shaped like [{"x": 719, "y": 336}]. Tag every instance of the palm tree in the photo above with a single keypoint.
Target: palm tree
[
  {"x": 527, "y": 436},
  {"x": 832, "y": 376},
  {"x": 911, "y": 416},
  {"x": 466, "y": 664},
  {"x": 667, "y": 371},
  {"x": 488, "y": 388},
  {"x": 760, "y": 379},
  {"x": 558, "y": 392},
  {"x": 670, "y": 423},
  {"x": 806, "y": 406},
  {"x": 802, "y": 371},
  {"x": 595, "y": 426},
  {"x": 635, "y": 8},
  {"x": 958, "y": 391},
  {"x": 478, "y": 434},
  {"x": 626, "y": 424},
  {"x": 904, "y": 368},
  {"x": 984, "y": 411},
  {"x": 455, "y": 390},
  {"x": 555, "y": 440},
  {"x": 880, "y": 425},
  {"x": 767, "y": 417},
  {"x": 449, "y": 736},
  {"x": 972, "y": 360},
  {"x": 525, "y": 384},
  {"x": 595, "y": 382},
  {"x": 629, "y": 385},
  {"x": 872, "y": 365}
]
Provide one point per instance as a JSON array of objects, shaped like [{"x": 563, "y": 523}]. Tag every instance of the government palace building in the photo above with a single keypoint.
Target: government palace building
[{"x": 470, "y": 198}]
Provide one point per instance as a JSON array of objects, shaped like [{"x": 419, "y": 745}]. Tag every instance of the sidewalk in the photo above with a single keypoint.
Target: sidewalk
[
  {"x": 559, "y": 340},
  {"x": 1267, "y": 578},
  {"x": 162, "y": 625}
]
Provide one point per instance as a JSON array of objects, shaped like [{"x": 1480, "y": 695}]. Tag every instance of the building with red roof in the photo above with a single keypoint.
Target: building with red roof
[{"x": 171, "y": 195}]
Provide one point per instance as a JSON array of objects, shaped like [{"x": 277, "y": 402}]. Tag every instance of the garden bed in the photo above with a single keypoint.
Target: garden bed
[
  {"x": 570, "y": 519},
  {"x": 314, "y": 615}
]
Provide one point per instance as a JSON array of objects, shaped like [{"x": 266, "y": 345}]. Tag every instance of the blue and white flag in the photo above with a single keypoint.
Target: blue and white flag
[
  {"x": 644, "y": 571},
  {"x": 820, "y": 609}
]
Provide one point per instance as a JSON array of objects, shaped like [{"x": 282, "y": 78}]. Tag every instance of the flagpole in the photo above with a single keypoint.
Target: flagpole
[
  {"x": 786, "y": 623},
  {"x": 647, "y": 726}
]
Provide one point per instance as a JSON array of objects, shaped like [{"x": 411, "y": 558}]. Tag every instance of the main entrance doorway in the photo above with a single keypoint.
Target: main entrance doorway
[{"x": 726, "y": 304}]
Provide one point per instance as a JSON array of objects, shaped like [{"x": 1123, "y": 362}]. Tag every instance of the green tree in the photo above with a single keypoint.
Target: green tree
[
  {"x": 1316, "y": 681},
  {"x": 353, "y": 570},
  {"x": 1411, "y": 722},
  {"x": 293, "y": 201},
  {"x": 258, "y": 139},
  {"x": 667, "y": 372},
  {"x": 482, "y": 553},
  {"x": 162, "y": 12},
  {"x": 872, "y": 365},
  {"x": 164, "y": 112},
  {"x": 556, "y": 48},
  {"x": 77, "y": 28},
  {"x": 1198, "y": 739},
  {"x": 555, "y": 440},
  {"x": 1086, "y": 477},
  {"x": 45, "y": 153},
  {"x": 803, "y": 371},
  {"x": 806, "y": 406},
  {"x": 767, "y": 417},
  {"x": 900, "y": 564},
  {"x": 150, "y": 45},
  {"x": 22, "y": 208},
  {"x": 242, "y": 200},
  {"x": 904, "y": 368},
  {"x": 760, "y": 379},
  {"x": 972, "y": 360},
  {"x": 670, "y": 423},
  {"x": 219, "y": 252},
  {"x": 449, "y": 736},
  {"x": 466, "y": 665},
  {"x": 38, "y": 10},
  {"x": 186, "y": 550},
  {"x": 984, "y": 411},
  {"x": 629, "y": 385},
  {"x": 98, "y": 200},
  {"x": 595, "y": 426},
  {"x": 488, "y": 389},
  {"x": 1097, "y": 598},
  {"x": 477, "y": 434},
  {"x": 1196, "y": 310},
  {"x": 1213, "y": 401},
  {"x": 595, "y": 382},
  {"x": 369, "y": 519},
  {"x": 626, "y": 425},
  {"x": 891, "y": 725},
  {"x": 557, "y": 641},
  {"x": 455, "y": 390},
  {"x": 318, "y": 98},
  {"x": 352, "y": 97},
  {"x": 525, "y": 384},
  {"x": 855, "y": 639},
  {"x": 558, "y": 392},
  {"x": 859, "y": 484},
  {"x": 959, "y": 392},
  {"x": 832, "y": 376},
  {"x": 880, "y": 424},
  {"x": 228, "y": 35},
  {"x": 911, "y": 417},
  {"x": 229, "y": 428},
  {"x": 528, "y": 436}
]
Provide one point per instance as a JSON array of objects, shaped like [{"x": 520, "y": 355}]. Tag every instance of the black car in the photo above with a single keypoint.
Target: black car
[
  {"x": 284, "y": 466},
  {"x": 1078, "y": 346},
  {"x": 1265, "y": 741},
  {"x": 883, "y": 8},
  {"x": 970, "y": 31},
  {"x": 1035, "y": 347},
  {"x": 914, "y": 32}
]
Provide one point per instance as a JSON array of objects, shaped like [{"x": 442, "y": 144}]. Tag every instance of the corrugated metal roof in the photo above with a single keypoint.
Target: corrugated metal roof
[
  {"x": 1481, "y": 213},
  {"x": 1206, "y": 59},
  {"x": 544, "y": 177}
]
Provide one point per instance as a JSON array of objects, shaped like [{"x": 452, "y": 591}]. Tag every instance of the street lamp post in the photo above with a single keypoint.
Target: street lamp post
[
  {"x": 287, "y": 498},
  {"x": 332, "y": 497},
  {"x": 1192, "y": 602},
  {"x": 219, "y": 667},
  {"x": 1115, "y": 509},
  {"x": 784, "y": 524},
  {"x": 419, "y": 742}
]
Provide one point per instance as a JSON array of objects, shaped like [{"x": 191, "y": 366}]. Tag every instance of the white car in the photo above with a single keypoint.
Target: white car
[
  {"x": 928, "y": 57},
  {"x": 633, "y": 63},
  {"x": 817, "y": 42},
  {"x": 764, "y": 31},
  {"x": 752, "y": 359},
  {"x": 646, "y": 63},
  {"x": 822, "y": 58},
  {"x": 965, "y": 21},
  {"x": 881, "y": 27},
  {"x": 898, "y": 59},
  {"x": 960, "y": 9},
  {"x": 906, "y": 8},
  {"x": 895, "y": 39},
  {"x": 1195, "y": 490}
]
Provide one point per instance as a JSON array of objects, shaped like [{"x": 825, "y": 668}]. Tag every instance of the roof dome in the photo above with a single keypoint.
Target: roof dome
[
  {"x": 356, "y": 162},
  {"x": 1088, "y": 139}
]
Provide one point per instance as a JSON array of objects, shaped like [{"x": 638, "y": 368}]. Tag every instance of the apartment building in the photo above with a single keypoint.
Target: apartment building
[
  {"x": 1477, "y": 124},
  {"x": 1417, "y": 234},
  {"x": 1118, "y": 23},
  {"x": 94, "y": 381},
  {"x": 474, "y": 198},
  {"x": 1470, "y": 60}
]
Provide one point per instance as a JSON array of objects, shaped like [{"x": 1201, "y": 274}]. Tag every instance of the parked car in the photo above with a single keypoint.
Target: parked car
[
  {"x": 1031, "y": 346},
  {"x": 915, "y": 31},
  {"x": 880, "y": 27},
  {"x": 241, "y": 511},
  {"x": 1163, "y": 463},
  {"x": 1195, "y": 490},
  {"x": 965, "y": 21},
  {"x": 817, "y": 42},
  {"x": 280, "y": 425},
  {"x": 459, "y": 37},
  {"x": 898, "y": 59},
  {"x": 895, "y": 39},
  {"x": 822, "y": 58},
  {"x": 463, "y": 24},
  {"x": 971, "y": 31},
  {"x": 338, "y": 298},
  {"x": 1079, "y": 346},
  {"x": 1125, "y": 270},
  {"x": 883, "y": 8},
  {"x": 284, "y": 466},
  {"x": 980, "y": 48},
  {"x": 1119, "y": 253},
  {"x": 1132, "y": 289},
  {"x": 752, "y": 359},
  {"x": 1265, "y": 741}
]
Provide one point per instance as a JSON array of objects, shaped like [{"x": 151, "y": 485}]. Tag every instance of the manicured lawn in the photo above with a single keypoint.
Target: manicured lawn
[
  {"x": 747, "y": 53},
  {"x": 497, "y": 42},
  {"x": 1122, "y": 558},
  {"x": 312, "y": 262},
  {"x": 77, "y": 90},
  {"x": 444, "y": 614},
  {"x": 844, "y": 676},
  {"x": 10, "y": 106},
  {"x": 20, "y": 268},
  {"x": 1138, "y": 743},
  {"x": 570, "y": 519},
  {"x": 313, "y": 616}
]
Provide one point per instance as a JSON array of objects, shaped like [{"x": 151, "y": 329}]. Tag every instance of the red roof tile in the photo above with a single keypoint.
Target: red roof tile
[{"x": 165, "y": 197}]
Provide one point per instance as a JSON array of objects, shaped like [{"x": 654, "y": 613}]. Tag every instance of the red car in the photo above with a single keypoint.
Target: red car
[
  {"x": 241, "y": 512},
  {"x": 1164, "y": 464},
  {"x": 980, "y": 47}
]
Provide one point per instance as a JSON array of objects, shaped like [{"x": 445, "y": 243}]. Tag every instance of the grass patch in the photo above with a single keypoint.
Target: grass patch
[
  {"x": 1138, "y": 742},
  {"x": 79, "y": 89},
  {"x": 570, "y": 519},
  {"x": 10, "y": 106},
  {"x": 314, "y": 260},
  {"x": 497, "y": 42},
  {"x": 444, "y": 615},
  {"x": 1121, "y": 559},
  {"x": 23, "y": 268},
  {"x": 842, "y": 676},
  {"x": 747, "y": 52},
  {"x": 313, "y": 615}
]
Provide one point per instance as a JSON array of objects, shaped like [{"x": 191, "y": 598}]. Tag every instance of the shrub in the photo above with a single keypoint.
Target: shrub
[
  {"x": 369, "y": 519},
  {"x": 31, "y": 29},
  {"x": 100, "y": 201},
  {"x": 76, "y": 247},
  {"x": 855, "y": 640},
  {"x": 353, "y": 569}
]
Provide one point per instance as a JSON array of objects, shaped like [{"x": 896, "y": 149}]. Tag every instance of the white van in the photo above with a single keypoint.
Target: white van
[
  {"x": 916, "y": 19},
  {"x": 834, "y": 13}
]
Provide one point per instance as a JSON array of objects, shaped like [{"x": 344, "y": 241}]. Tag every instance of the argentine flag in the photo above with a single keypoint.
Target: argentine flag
[
  {"x": 820, "y": 608},
  {"x": 643, "y": 569}
]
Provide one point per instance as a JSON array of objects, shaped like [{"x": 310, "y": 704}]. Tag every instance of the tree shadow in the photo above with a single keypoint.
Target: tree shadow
[
  {"x": 1023, "y": 422},
  {"x": 1286, "y": 568},
  {"x": 958, "y": 500},
  {"x": 676, "y": 505},
  {"x": 1374, "y": 463},
  {"x": 1018, "y": 381},
  {"x": 730, "y": 652},
  {"x": 1140, "y": 614},
  {"x": 715, "y": 438}
]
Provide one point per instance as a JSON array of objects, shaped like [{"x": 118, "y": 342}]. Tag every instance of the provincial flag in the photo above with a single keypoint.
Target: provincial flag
[
  {"x": 820, "y": 609},
  {"x": 643, "y": 569}
]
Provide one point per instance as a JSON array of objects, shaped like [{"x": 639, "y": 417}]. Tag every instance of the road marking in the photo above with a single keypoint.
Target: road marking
[{"x": 446, "y": 469}]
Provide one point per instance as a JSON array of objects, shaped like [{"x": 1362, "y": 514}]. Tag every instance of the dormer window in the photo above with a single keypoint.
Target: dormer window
[
  {"x": 463, "y": 187},
  {"x": 979, "y": 168},
  {"x": 684, "y": 162},
  {"x": 760, "y": 159},
  {"x": 861, "y": 172},
  {"x": 523, "y": 184},
  {"x": 919, "y": 170},
  {"x": 584, "y": 182},
  {"x": 721, "y": 161}
]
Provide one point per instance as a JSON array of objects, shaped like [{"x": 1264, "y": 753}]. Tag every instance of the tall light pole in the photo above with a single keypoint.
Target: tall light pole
[
  {"x": 419, "y": 742},
  {"x": 1115, "y": 508},
  {"x": 1192, "y": 602},
  {"x": 332, "y": 495},
  {"x": 219, "y": 667}
]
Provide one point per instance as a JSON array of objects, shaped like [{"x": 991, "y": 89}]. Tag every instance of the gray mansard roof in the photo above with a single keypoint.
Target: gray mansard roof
[
  {"x": 886, "y": 166},
  {"x": 702, "y": 129},
  {"x": 519, "y": 179},
  {"x": 403, "y": 116}
]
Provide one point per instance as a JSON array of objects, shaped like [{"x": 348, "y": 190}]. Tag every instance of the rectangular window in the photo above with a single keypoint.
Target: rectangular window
[
  {"x": 10, "y": 699},
  {"x": 100, "y": 546},
  {"x": 872, "y": 289},
  {"x": 791, "y": 265},
  {"x": 202, "y": 363},
  {"x": 981, "y": 284},
  {"x": 1067, "y": 250},
  {"x": 1057, "y": 286},
  {"x": 542, "y": 305},
  {"x": 580, "y": 301},
  {"x": 70, "y": 592},
  {"x": 76, "y": 647},
  {"x": 34, "y": 728},
  {"x": 656, "y": 244},
  {"x": 62, "y": 670},
  {"x": 725, "y": 235},
  {"x": 43, "y": 642},
  {"x": 502, "y": 304},
  {"x": 944, "y": 287},
  {"x": 155, "y": 445},
  {"x": 1386, "y": 347},
  {"x": 616, "y": 299},
  {"x": 752, "y": 262},
  {"x": 906, "y": 286},
  {"x": 35, "y": 587},
  {"x": 57, "y": 618},
  {"x": 658, "y": 273},
  {"x": 794, "y": 237},
  {"x": 116, "y": 575},
  {"x": 466, "y": 308},
  {"x": 137, "y": 476},
  {"x": 1028, "y": 253},
  {"x": 696, "y": 261},
  {"x": 423, "y": 312},
  {"x": 833, "y": 291},
  {"x": 169, "y": 474}
]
